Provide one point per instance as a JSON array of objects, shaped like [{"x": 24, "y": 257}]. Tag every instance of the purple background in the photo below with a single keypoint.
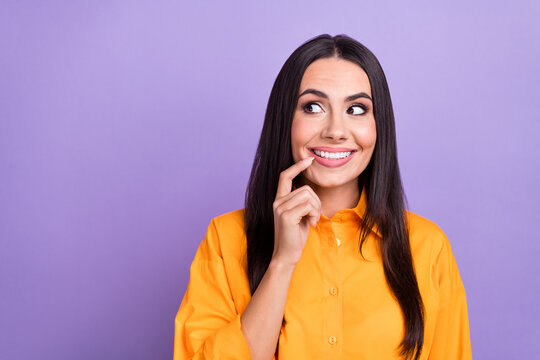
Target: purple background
[{"x": 125, "y": 126}]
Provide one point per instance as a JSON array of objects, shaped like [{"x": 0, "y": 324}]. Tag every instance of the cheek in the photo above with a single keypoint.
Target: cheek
[
  {"x": 300, "y": 135},
  {"x": 367, "y": 135}
]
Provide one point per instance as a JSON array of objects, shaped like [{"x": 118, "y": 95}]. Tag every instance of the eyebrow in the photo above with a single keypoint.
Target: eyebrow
[{"x": 323, "y": 95}]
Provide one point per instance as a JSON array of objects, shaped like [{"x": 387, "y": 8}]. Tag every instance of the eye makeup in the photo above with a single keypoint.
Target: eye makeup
[{"x": 310, "y": 104}]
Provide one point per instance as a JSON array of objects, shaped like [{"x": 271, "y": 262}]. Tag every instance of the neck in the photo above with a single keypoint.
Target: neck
[{"x": 334, "y": 199}]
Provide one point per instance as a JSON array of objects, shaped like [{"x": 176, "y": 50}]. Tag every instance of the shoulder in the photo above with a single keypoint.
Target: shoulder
[
  {"x": 425, "y": 235},
  {"x": 226, "y": 235},
  {"x": 232, "y": 221},
  {"x": 435, "y": 265},
  {"x": 422, "y": 226}
]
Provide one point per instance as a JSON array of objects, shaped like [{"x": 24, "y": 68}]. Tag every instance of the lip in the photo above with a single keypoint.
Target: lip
[
  {"x": 331, "y": 149},
  {"x": 332, "y": 163}
]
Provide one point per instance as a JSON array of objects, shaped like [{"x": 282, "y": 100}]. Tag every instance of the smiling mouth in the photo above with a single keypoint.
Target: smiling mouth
[{"x": 332, "y": 155}]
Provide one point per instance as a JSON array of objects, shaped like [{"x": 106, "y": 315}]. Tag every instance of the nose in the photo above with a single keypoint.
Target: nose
[{"x": 336, "y": 128}]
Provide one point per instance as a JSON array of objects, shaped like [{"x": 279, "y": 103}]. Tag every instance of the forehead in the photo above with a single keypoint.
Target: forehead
[{"x": 337, "y": 76}]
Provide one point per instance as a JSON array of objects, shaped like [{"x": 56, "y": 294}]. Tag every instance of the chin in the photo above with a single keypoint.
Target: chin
[{"x": 328, "y": 184}]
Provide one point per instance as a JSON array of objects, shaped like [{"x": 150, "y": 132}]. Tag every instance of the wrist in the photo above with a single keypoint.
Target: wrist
[{"x": 280, "y": 266}]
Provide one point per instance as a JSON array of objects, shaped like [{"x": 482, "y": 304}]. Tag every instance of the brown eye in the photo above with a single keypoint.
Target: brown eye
[
  {"x": 310, "y": 106},
  {"x": 362, "y": 109}
]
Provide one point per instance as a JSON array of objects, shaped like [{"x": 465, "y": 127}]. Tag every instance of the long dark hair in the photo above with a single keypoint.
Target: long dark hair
[{"x": 381, "y": 179}]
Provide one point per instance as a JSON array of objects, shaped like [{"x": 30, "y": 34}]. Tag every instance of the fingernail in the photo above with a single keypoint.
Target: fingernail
[{"x": 310, "y": 158}]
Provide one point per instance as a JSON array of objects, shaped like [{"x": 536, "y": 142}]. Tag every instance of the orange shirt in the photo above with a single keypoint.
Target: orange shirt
[{"x": 339, "y": 305}]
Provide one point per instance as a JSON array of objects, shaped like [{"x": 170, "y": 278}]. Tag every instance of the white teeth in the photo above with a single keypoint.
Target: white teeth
[{"x": 329, "y": 155}]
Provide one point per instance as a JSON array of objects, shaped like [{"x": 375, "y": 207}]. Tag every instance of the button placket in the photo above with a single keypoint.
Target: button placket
[{"x": 333, "y": 311}]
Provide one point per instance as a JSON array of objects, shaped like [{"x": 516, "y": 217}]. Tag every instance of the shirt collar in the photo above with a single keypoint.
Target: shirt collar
[{"x": 356, "y": 212}]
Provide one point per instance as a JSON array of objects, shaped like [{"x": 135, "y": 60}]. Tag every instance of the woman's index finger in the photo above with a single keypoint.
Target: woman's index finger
[{"x": 287, "y": 176}]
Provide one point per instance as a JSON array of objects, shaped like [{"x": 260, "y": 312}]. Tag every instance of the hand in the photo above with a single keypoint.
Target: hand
[{"x": 293, "y": 213}]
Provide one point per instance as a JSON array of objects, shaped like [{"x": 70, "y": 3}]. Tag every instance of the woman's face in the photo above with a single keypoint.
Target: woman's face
[{"x": 334, "y": 114}]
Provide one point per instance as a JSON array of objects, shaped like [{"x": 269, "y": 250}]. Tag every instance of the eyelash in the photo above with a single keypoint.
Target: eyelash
[{"x": 306, "y": 106}]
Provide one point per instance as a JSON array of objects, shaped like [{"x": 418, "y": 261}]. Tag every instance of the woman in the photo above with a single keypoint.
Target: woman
[{"x": 324, "y": 262}]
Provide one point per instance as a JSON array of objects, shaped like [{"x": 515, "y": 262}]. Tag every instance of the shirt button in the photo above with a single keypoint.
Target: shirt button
[
  {"x": 338, "y": 242},
  {"x": 332, "y": 340},
  {"x": 333, "y": 291}
]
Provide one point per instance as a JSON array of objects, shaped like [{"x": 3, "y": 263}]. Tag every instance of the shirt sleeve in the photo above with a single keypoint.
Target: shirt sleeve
[
  {"x": 207, "y": 325},
  {"x": 451, "y": 339}
]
